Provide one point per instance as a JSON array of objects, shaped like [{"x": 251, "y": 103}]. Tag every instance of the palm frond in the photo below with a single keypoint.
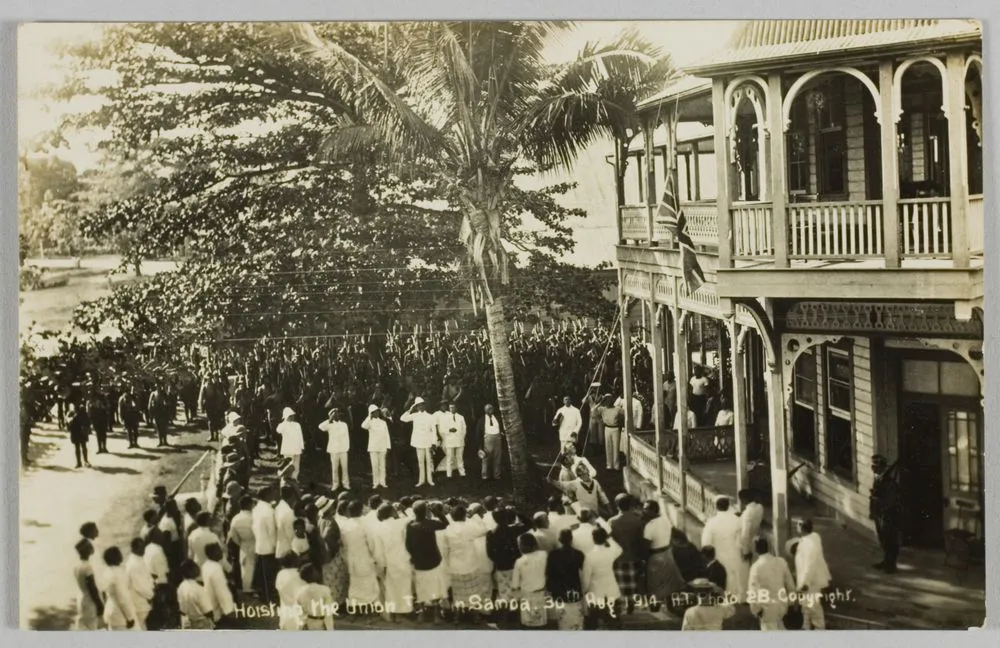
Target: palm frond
[{"x": 392, "y": 119}]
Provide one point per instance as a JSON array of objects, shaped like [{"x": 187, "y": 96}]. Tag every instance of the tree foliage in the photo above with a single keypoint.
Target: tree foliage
[{"x": 219, "y": 149}]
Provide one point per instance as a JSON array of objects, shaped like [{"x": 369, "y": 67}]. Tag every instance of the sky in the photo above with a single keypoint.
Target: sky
[{"x": 686, "y": 41}]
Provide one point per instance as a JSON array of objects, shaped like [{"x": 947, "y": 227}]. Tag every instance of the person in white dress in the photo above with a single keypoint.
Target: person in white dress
[
  {"x": 338, "y": 445},
  {"x": 119, "y": 612},
  {"x": 378, "y": 444},
  {"x": 363, "y": 584},
  {"x": 451, "y": 431},
  {"x": 600, "y": 587},
  {"x": 812, "y": 574},
  {"x": 569, "y": 420},
  {"x": 284, "y": 522},
  {"x": 292, "y": 443},
  {"x": 241, "y": 535},
  {"x": 393, "y": 561},
  {"x": 751, "y": 517},
  {"x": 288, "y": 582},
  {"x": 722, "y": 531},
  {"x": 422, "y": 439},
  {"x": 140, "y": 582},
  {"x": 769, "y": 587}
]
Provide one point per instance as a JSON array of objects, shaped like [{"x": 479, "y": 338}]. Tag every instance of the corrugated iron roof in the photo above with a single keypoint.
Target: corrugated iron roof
[
  {"x": 764, "y": 40},
  {"x": 683, "y": 87}
]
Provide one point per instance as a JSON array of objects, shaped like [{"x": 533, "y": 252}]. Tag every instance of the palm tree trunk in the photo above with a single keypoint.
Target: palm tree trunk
[{"x": 510, "y": 413}]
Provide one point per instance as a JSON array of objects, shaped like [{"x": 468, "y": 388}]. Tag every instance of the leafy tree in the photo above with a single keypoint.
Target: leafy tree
[
  {"x": 218, "y": 134},
  {"x": 478, "y": 100},
  {"x": 48, "y": 207}
]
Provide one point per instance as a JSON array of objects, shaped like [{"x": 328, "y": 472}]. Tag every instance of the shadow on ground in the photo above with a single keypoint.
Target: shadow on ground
[{"x": 52, "y": 618}]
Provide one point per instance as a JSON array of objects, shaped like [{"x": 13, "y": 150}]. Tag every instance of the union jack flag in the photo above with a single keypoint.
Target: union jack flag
[{"x": 670, "y": 214}]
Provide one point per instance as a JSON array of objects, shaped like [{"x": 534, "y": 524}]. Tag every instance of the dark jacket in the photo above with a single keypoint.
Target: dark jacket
[
  {"x": 421, "y": 543},
  {"x": 479, "y": 435},
  {"x": 562, "y": 574},
  {"x": 501, "y": 545}
]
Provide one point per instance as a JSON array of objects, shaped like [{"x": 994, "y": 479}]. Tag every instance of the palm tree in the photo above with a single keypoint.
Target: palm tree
[{"x": 478, "y": 99}]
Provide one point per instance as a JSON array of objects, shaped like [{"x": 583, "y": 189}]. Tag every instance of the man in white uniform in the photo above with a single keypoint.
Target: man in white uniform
[
  {"x": 292, "y": 443},
  {"x": 569, "y": 420},
  {"x": 338, "y": 445},
  {"x": 422, "y": 439},
  {"x": 378, "y": 444},
  {"x": 722, "y": 531},
  {"x": 451, "y": 430}
]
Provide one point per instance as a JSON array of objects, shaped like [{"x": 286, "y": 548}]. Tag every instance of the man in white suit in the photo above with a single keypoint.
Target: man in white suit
[
  {"x": 769, "y": 587},
  {"x": 722, "y": 531},
  {"x": 451, "y": 430},
  {"x": 812, "y": 574}
]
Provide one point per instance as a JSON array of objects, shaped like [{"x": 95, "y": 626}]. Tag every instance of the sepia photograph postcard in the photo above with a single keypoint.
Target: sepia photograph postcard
[{"x": 501, "y": 325}]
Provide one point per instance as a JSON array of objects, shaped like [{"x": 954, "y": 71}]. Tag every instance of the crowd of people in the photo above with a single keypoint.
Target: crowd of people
[{"x": 308, "y": 555}]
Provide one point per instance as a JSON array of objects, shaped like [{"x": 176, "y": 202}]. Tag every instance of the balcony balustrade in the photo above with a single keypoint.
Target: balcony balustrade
[{"x": 832, "y": 231}]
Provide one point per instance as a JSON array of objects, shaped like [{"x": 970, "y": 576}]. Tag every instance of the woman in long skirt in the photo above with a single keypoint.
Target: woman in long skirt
[{"x": 335, "y": 575}]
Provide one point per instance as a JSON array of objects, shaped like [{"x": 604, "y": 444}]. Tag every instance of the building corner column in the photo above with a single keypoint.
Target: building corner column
[
  {"x": 722, "y": 162},
  {"x": 779, "y": 453},
  {"x": 738, "y": 404},
  {"x": 778, "y": 193},
  {"x": 890, "y": 168}
]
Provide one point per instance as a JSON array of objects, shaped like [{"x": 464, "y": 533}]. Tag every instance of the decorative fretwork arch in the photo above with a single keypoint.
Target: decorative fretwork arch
[
  {"x": 897, "y": 84},
  {"x": 970, "y": 350},
  {"x": 794, "y": 345},
  {"x": 786, "y": 108},
  {"x": 974, "y": 59},
  {"x": 764, "y": 328},
  {"x": 749, "y": 93},
  {"x": 975, "y": 103}
]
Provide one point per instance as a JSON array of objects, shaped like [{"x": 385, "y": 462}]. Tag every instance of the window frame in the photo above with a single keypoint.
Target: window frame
[{"x": 841, "y": 351}]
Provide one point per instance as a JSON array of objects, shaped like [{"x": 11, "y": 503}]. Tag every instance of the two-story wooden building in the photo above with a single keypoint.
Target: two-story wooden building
[{"x": 836, "y": 205}]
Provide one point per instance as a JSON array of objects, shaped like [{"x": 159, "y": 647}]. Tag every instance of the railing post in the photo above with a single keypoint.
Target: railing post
[
  {"x": 626, "y": 361},
  {"x": 695, "y": 180},
  {"x": 958, "y": 173},
  {"x": 779, "y": 214},
  {"x": 681, "y": 362},
  {"x": 738, "y": 405},
  {"x": 656, "y": 311},
  {"x": 722, "y": 173},
  {"x": 890, "y": 171}
]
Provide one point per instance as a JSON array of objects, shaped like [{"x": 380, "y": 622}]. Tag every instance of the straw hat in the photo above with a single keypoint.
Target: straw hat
[
  {"x": 372, "y": 408},
  {"x": 418, "y": 401},
  {"x": 232, "y": 417},
  {"x": 285, "y": 413}
]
